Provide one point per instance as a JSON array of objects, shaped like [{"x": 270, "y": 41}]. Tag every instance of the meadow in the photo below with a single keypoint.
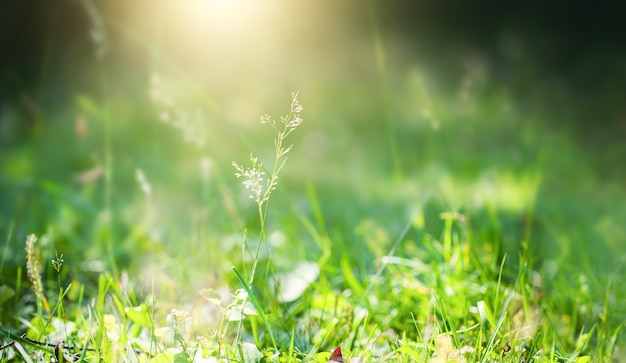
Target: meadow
[{"x": 167, "y": 202}]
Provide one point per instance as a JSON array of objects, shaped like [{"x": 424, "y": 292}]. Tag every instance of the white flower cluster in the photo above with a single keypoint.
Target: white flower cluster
[
  {"x": 254, "y": 175},
  {"x": 253, "y": 179}
]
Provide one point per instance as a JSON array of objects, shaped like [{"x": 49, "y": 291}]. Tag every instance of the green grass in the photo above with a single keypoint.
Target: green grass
[
  {"x": 413, "y": 221},
  {"x": 394, "y": 276}
]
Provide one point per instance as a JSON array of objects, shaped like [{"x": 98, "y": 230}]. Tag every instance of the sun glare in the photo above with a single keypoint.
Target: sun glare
[{"x": 219, "y": 18}]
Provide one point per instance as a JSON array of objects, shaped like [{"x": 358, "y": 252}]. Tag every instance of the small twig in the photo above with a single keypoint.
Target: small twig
[{"x": 7, "y": 345}]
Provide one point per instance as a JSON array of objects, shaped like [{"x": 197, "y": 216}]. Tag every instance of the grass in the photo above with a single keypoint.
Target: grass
[
  {"x": 395, "y": 292},
  {"x": 461, "y": 230}
]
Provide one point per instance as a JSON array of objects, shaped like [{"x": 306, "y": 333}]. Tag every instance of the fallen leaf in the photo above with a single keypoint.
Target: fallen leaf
[{"x": 336, "y": 356}]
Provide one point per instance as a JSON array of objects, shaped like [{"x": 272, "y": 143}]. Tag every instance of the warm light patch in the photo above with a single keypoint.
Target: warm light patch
[{"x": 213, "y": 17}]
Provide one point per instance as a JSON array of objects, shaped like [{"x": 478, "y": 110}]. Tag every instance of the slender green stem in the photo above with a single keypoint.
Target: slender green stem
[
  {"x": 257, "y": 306},
  {"x": 381, "y": 67}
]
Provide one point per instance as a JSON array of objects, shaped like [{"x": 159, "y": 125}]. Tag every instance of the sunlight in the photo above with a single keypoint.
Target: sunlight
[
  {"x": 218, "y": 17},
  {"x": 220, "y": 36}
]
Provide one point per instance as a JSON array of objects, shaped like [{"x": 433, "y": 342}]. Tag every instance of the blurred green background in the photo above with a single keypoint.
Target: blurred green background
[{"x": 119, "y": 122}]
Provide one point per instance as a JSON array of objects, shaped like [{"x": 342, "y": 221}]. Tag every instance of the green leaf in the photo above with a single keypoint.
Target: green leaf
[
  {"x": 39, "y": 328},
  {"x": 212, "y": 296},
  {"x": 239, "y": 310},
  {"x": 181, "y": 358},
  {"x": 166, "y": 357},
  {"x": 410, "y": 352},
  {"x": 139, "y": 315},
  {"x": 322, "y": 357}
]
